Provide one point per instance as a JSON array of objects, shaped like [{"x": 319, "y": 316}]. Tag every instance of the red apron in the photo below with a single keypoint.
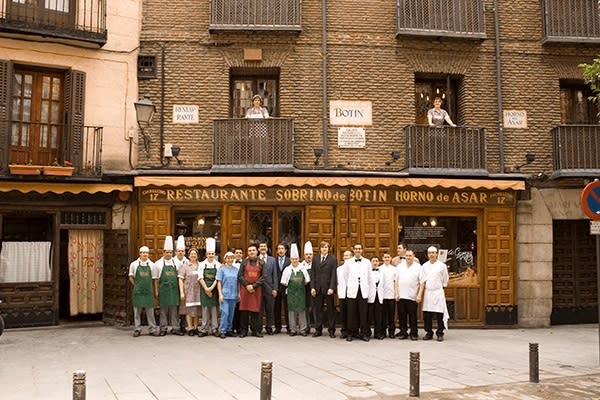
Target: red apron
[{"x": 251, "y": 301}]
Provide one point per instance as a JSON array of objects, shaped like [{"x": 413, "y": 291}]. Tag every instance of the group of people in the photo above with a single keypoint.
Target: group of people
[{"x": 257, "y": 288}]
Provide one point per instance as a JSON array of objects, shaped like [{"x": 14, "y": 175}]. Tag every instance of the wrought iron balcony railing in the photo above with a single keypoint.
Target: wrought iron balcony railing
[
  {"x": 452, "y": 18},
  {"x": 576, "y": 150},
  {"x": 66, "y": 145},
  {"x": 240, "y": 143},
  {"x": 571, "y": 21},
  {"x": 82, "y": 21},
  {"x": 445, "y": 150},
  {"x": 255, "y": 15}
]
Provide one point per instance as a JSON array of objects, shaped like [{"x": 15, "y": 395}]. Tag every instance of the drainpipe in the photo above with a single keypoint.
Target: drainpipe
[
  {"x": 325, "y": 99},
  {"x": 162, "y": 105},
  {"x": 499, "y": 88}
]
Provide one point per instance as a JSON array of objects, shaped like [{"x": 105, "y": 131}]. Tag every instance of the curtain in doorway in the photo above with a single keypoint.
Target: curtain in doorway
[
  {"x": 86, "y": 262},
  {"x": 25, "y": 262}
]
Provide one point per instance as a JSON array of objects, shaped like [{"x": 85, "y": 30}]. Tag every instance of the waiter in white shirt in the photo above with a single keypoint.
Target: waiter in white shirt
[{"x": 358, "y": 271}]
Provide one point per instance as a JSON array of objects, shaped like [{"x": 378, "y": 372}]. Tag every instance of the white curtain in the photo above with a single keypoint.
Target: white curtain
[
  {"x": 86, "y": 263},
  {"x": 25, "y": 262}
]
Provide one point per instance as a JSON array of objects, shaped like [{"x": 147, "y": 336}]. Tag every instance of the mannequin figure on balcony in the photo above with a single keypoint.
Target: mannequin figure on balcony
[
  {"x": 436, "y": 115},
  {"x": 257, "y": 110}
]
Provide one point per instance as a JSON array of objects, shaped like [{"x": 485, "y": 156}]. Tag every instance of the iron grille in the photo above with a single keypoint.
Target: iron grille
[
  {"x": 571, "y": 21},
  {"x": 83, "y": 218},
  {"x": 576, "y": 150},
  {"x": 273, "y": 15}
]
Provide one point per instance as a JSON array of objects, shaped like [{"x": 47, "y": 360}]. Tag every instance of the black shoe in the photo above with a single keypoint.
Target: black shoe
[
  {"x": 317, "y": 334},
  {"x": 229, "y": 334},
  {"x": 414, "y": 337},
  {"x": 343, "y": 335},
  {"x": 349, "y": 338},
  {"x": 428, "y": 337},
  {"x": 277, "y": 330},
  {"x": 392, "y": 335},
  {"x": 257, "y": 334},
  {"x": 332, "y": 335},
  {"x": 269, "y": 331},
  {"x": 163, "y": 333},
  {"x": 137, "y": 333},
  {"x": 380, "y": 337},
  {"x": 222, "y": 335},
  {"x": 177, "y": 332},
  {"x": 191, "y": 332},
  {"x": 243, "y": 334},
  {"x": 202, "y": 334},
  {"x": 440, "y": 338},
  {"x": 403, "y": 337},
  {"x": 364, "y": 338},
  {"x": 292, "y": 333}
]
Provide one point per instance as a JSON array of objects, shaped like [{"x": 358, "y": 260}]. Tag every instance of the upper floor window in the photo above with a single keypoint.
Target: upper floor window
[
  {"x": 575, "y": 108},
  {"x": 571, "y": 21},
  {"x": 245, "y": 83},
  {"x": 256, "y": 15},
  {"x": 427, "y": 88}
]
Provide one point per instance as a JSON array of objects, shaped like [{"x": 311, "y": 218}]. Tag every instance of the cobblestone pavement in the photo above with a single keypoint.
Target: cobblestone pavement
[{"x": 469, "y": 364}]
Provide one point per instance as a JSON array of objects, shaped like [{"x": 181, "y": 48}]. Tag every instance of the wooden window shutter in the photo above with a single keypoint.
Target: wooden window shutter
[
  {"x": 6, "y": 77},
  {"x": 74, "y": 103}
]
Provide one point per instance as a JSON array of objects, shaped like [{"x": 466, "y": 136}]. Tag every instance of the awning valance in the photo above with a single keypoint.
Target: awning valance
[
  {"x": 313, "y": 181},
  {"x": 60, "y": 188}
]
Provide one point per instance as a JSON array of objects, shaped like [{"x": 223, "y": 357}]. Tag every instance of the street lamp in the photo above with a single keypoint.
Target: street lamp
[{"x": 144, "y": 110}]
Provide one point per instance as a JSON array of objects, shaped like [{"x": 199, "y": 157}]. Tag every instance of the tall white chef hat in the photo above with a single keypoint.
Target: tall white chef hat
[
  {"x": 432, "y": 248},
  {"x": 308, "y": 247},
  {"x": 294, "y": 251},
  {"x": 180, "y": 243},
  {"x": 211, "y": 245},
  {"x": 168, "y": 243}
]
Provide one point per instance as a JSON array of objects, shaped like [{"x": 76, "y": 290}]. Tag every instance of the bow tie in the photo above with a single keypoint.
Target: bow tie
[
  {"x": 375, "y": 269},
  {"x": 403, "y": 258},
  {"x": 357, "y": 259}
]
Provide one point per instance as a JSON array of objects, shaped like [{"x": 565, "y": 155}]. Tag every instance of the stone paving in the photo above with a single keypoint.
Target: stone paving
[{"x": 469, "y": 364}]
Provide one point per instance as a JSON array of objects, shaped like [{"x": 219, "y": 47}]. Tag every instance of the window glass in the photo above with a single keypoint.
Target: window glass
[
  {"x": 575, "y": 108},
  {"x": 427, "y": 89},
  {"x": 245, "y": 84},
  {"x": 196, "y": 226}
]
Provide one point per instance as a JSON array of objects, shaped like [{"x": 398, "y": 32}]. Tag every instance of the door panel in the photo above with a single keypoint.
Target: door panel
[
  {"x": 320, "y": 225},
  {"x": 377, "y": 230},
  {"x": 156, "y": 224},
  {"x": 117, "y": 304}
]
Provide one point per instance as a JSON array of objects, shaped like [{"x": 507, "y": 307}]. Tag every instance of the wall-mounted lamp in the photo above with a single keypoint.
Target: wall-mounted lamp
[
  {"x": 144, "y": 110},
  {"x": 395, "y": 157},
  {"x": 318, "y": 154},
  {"x": 529, "y": 158},
  {"x": 171, "y": 151}
]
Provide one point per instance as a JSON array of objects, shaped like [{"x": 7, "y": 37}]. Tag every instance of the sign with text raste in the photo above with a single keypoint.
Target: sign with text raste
[
  {"x": 350, "y": 113},
  {"x": 185, "y": 114},
  {"x": 352, "y": 138}
]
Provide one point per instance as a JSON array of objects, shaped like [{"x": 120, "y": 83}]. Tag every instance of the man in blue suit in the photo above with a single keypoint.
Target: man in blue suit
[
  {"x": 282, "y": 261},
  {"x": 270, "y": 285}
]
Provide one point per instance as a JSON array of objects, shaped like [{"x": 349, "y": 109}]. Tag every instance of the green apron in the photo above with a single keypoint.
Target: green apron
[
  {"x": 168, "y": 286},
  {"x": 143, "y": 295},
  {"x": 295, "y": 292},
  {"x": 209, "y": 277}
]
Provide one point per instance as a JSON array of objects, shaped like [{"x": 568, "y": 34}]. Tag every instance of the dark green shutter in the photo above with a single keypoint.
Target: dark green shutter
[
  {"x": 6, "y": 78},
  {"x": 74, "y": 118}
]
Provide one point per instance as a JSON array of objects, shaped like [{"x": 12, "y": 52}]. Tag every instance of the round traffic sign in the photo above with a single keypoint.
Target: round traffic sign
[{"x": 590, "y": 200}]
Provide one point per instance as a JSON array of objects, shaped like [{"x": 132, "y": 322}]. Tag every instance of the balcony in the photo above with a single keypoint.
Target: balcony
[
  {"x": 445, "y": 150},
  {"x": 255, "y": 15},
  {"x": 571, "y": 21},
  {"x": 253, "y": 144},
  {"x": 81, "y": 147},
  {"x": 576, "y": 151},
  {"x": 449, "y": 18},
  {"x": 80, "y": 22}
]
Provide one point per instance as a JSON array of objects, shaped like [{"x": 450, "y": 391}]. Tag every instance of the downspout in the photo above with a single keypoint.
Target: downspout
[
  {"x": 499, "y": 88},
  {"x": 324, "y": 95},
  {"x": 162, "y": 106}
]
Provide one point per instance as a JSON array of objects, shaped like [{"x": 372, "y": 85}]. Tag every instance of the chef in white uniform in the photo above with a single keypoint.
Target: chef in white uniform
[{"x": 434, "y": 278}]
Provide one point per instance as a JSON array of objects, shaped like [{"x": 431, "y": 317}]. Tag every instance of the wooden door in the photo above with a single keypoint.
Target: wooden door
[
  {"x": 377, "y": 230},
  {"x": 117, "y": 290},
  {"x": 574, "y": 291},
  {"x": 234, "y": 231},
  {"x": 319, "y": 226},
  {"x": 347, "y": 224},
  {"x": 156, "y": 224}
]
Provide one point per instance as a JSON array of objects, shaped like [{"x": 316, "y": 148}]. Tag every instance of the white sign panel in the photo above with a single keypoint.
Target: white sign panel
[
  {"x": 594, "y": 227},
  {"x": 353, "y": 113},
  {"x": 515, "y": 119},
  {"x": 185, "y": 114},
  {"x": 351, "y": 138}
]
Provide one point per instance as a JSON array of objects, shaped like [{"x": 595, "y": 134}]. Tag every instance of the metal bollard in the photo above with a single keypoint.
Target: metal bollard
[
  {"x": 79, "y": 385},
  {"x": 414, "y": 374},
  {"x": 534, "y": 363},
  {"x": 266, "y": 379}
]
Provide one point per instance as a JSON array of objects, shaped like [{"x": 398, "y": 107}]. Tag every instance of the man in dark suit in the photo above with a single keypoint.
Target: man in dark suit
[
  {"x": 281, "y": 261},
  {"x": 323, "y": 282},
  {"x": 270, "y": 285}
]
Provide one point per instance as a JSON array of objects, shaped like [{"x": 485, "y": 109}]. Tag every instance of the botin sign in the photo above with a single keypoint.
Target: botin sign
[{"x": 590, "y": 200}]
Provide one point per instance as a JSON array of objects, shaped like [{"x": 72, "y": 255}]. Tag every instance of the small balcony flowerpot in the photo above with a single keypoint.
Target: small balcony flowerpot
[
  {"x": 22, "y": 169},
  {"x": 57, "y": 170}
]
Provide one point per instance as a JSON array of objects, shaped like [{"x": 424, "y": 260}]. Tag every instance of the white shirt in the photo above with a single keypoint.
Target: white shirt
[
  {"x": 287, "y": 273},
  {"x": 408, "y": 280},
  {"x": 388, "y": 272},
  {"x": 358, "y": 272},
  {"x": 161, "y": 263},
  {"x": 205, "y": 264},
  {"x": 134, "y": 266},
  {"x": 341, "y": 281},
  {"x": 435, "y": 277}
]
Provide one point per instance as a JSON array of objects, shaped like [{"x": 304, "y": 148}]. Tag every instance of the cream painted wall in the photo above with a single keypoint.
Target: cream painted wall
[{"x": 111, "y": 76}]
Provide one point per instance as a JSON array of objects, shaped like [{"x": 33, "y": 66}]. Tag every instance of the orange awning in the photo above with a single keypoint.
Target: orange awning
[
  {"x": 60, "y": 188},
  {"x": 330, "y": 181}
]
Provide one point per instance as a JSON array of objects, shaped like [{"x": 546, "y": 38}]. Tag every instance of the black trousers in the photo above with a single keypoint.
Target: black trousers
[
  {"x": 281, "y": 308},
  {"x": 389, "y": 315},
  {"x": 268, "y": 305},
  {"x": 376, "y": 317},
  {"x": 428, "y": 322},
  {"x": 235, "y": 325},
  {"x": 407, "y": 313},
  {"x": 358, "y": 319},
  {"x": 343, "y": 316},
  {"x": 250, "y": 317},
  {"x": 318, "y": 301}
]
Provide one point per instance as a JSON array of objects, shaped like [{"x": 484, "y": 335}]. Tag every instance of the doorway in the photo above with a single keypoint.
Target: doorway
[{"x": 274, "y": 225}]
